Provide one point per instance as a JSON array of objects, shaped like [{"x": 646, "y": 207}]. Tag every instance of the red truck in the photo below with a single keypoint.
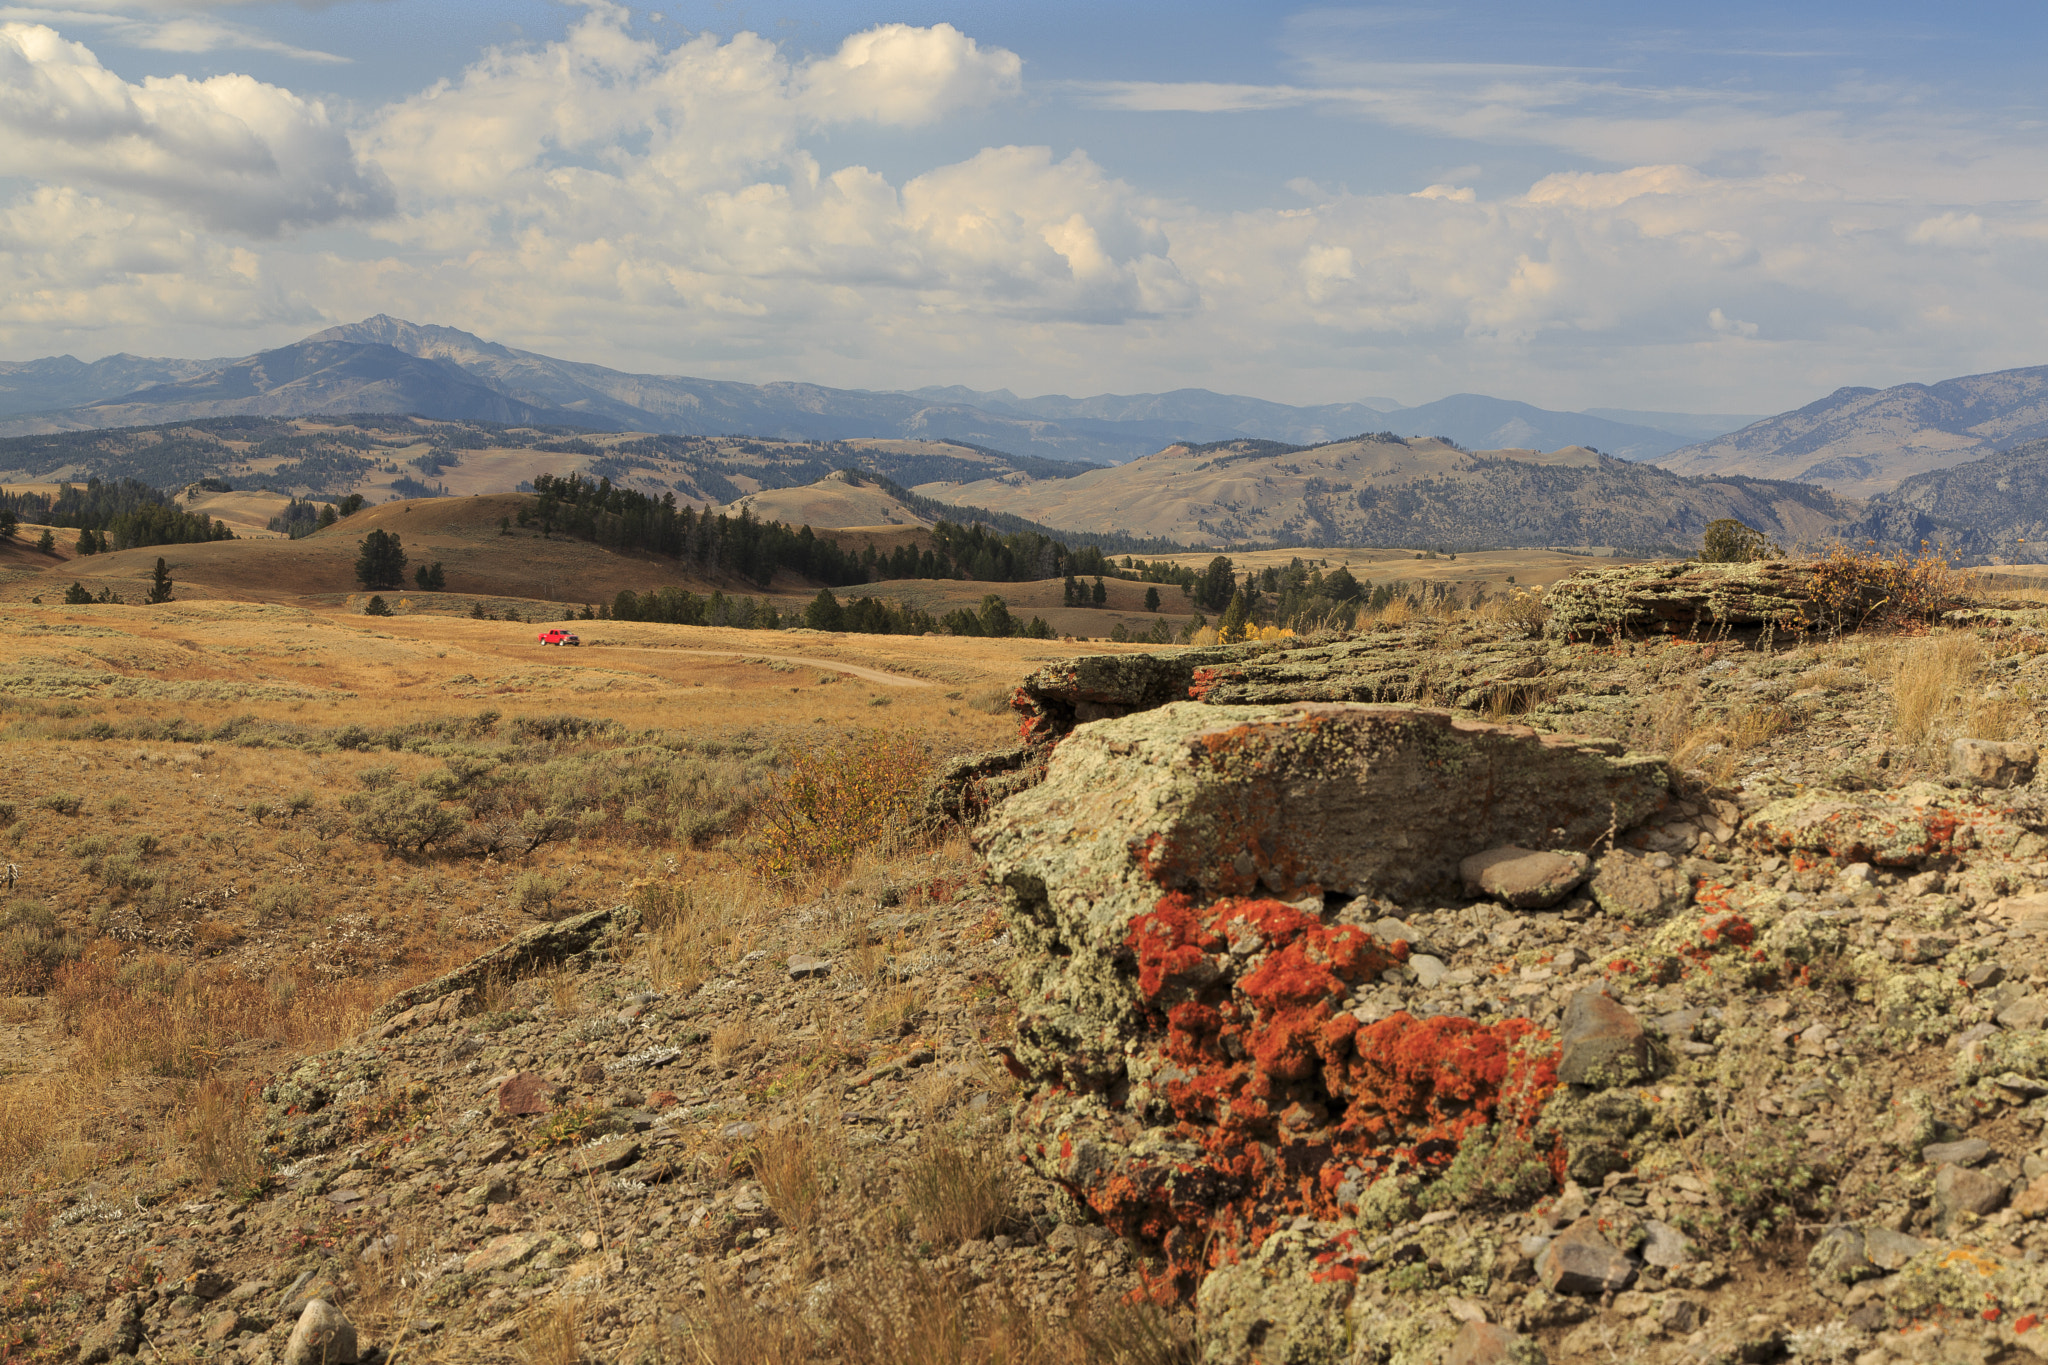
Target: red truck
[{"x": 558, "y": 636}]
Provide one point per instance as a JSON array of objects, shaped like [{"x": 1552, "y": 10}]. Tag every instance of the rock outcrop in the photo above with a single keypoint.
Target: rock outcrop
[{"x": 1195, "y": 892}]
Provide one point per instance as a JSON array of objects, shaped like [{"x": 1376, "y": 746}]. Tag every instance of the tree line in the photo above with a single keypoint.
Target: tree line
[{"x": 121, "y": 514}]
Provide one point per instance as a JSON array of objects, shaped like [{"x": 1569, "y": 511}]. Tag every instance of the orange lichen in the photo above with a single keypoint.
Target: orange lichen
[{"x": 1289, "y": 1104}]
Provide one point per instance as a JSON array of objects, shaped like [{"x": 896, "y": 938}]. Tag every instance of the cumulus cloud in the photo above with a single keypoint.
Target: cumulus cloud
[
  {"x": 896, "y": 74},
  {"x": 233, "y": 152}
]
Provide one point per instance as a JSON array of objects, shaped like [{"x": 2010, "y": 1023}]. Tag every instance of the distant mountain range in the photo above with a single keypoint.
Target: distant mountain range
[
  {"x": 1862, "y": 442},
  {"x": 388, "y": 365}
]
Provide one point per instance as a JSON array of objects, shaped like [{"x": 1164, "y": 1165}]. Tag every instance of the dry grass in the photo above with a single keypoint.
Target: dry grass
[
  {"x": 956, "y": 1189},
  {"x": 221, "y": 1130},
  {"x": 894, "y": 1011},
  {"x": 1933, "y": 673},
  {"x": 797, "y": 1165},
  {"x": 551, "y": 1333},
  {"x": 727, "y": 1040}
]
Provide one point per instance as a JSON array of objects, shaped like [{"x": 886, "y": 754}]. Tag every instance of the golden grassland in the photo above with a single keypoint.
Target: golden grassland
[{"x": 191, "y": 798}]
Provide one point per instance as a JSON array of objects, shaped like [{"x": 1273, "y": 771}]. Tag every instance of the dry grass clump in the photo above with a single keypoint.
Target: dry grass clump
[
  {"x": 551, "y": 1333},
  {"x": 1858, "y": 589},
  {"x": 693, "y": 927},
  {"x": 893, "y": 1309},
  {"x": 956, "y": 1190},
  {"x": 222, "y": 1135},
  {"x": 797, "y": 1165},
  {"x": 1932, "y": 674}
]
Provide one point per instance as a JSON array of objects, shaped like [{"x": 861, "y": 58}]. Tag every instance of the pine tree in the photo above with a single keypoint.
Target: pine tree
[
  {"x": 1234, "y": 618},
  {"x": 1099, "y": 594},
  {"x": 46, "y": 543},
  {"x": 381, "y": 561},
  {"x": 86, "y": 544},
  {"x": 159, "y": 583},
  {"x": 76, "y": 595},
  {"x": 376, "y": 606},
  {"x": 327, "y": 516},
  {"x": 1151, "y": 599}
]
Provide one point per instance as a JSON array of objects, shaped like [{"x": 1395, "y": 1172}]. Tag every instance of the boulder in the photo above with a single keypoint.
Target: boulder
[
  {"x": 1580, "y": 1261},
  {"x": 323, "y": 1336},
  {"x": 1524, "y": 878},
  {"x": 527, "y": 1093},
  {"x": 1291, "y": 803},
  {"x": 1958, "y": 1189},
  {"x": 1993, "y": 763},
  {"x": 1603, "y": 1044},
  {"x": 118, "y": 1333}
]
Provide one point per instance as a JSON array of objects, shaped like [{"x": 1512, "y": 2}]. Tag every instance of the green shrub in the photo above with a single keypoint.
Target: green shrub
[
  {"x": 403, "y": 819},
  {"x": 63, "y": 803}
]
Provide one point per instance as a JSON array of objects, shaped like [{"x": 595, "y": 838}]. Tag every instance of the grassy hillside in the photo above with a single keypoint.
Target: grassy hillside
[{"x": 1386, "y": 491}]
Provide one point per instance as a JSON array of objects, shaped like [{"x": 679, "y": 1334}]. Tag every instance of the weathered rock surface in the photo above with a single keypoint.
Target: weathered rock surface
[
  {"x": 1993, "y": 762},
  {"x": 1525, "y": 878},
  {"x": 1292, "y": 803},
  {"x": 1688, "y": 598},
  {"x": 1603, "y": 1044},
  {"x": 1483, "y": 1343},
  {"x": 1640, "y": 888}
]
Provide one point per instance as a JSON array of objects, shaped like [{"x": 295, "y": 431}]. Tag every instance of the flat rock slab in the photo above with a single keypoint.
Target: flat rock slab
[
  {"x": 503, "y": 1251},
  {"x": 1958, "y": 1189},
  {"x": 527, "y": 1093},
  {"x": 1524, "y": 878},
  {"x": 1639, "y": 889},
  {"x": 802, "y": 966},
  {"x": 1283, "y": 802}
]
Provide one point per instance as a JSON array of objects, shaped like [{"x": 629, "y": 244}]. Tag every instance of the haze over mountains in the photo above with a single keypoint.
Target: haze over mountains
[
  {"x": 386, "y": 364},
  {"x": 1862, "y": 441}
]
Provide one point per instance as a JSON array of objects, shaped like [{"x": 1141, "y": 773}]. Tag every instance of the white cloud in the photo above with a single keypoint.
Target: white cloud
[
  {"x": 163, "y": 28},
  {"x": 896, "y": 74},
  {"x": 232, "y": 152}
]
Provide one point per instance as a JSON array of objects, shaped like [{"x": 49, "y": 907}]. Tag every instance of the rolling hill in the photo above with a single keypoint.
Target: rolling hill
[
  {"x": 1860, "y": 441},
  {"x": 1390, "y": 491}
]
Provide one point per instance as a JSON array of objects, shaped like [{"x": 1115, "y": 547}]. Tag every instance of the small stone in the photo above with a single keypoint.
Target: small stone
[
  {"x": 1580, "y": 1261},
  {"x": 1603, "y": 1044},
  {"x": 324, "y": 1336},
  {"x": 2026, "y": 1012},
  {"x": 1428, "y": 970},
  {"x": 1483, "y": 1343},
  {"x": 225, "y": 1325},
  {"x": 118, "y": 1334},
  {"x": 1888, "y": 1250},
  {"x": 1917, "y": 946},
  {"x": 1992, "y": 762},
  {"x": 1665, "y": 1246},
  {"x": 501, "y": 1252},
  {"x": 1958, "y": 1189},
  {"x": 2033, "y": 1200},
  {"x": 595, "y": 1157},
  {"x": 1837, "y": 1259},
  {"x": 803, "y": 967},
  {"x": 1525, "y": 878},
  {"x": 1967, "y": 1152},
  {"x": 527, "y": 1093}
]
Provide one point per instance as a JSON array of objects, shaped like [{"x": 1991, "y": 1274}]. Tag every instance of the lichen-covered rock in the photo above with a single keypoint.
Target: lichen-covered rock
[
  {"x": 1689, "y": 598},
  {"x": 1287, "y": 802},
  {"x": 1638, "y": 888},
  {"x": 1910, "y": 827},
  {"x": 1602, "y": 1043},
  {"x": 1274, "y": 1308},
  {"x": 1992, "y": 762},
  {"x": 1073, "y": 692}
]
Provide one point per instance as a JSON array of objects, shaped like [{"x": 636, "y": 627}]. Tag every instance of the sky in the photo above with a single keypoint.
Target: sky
[{"x": 1728, "y": 208}]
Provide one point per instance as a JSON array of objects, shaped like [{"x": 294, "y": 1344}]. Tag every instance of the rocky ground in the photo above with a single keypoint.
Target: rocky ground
[{"x": 1392, "y": 1028}]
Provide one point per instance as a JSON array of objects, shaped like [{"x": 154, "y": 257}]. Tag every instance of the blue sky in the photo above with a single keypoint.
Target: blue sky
[{"x": 1729, "y": 208}]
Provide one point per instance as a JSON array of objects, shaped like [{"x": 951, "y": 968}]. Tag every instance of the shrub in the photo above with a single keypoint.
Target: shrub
[
  {"x": 1728, "y": 541},
  {"x": 836, "y": 802},
  {"x": 63, "y": 803},
  {"x": 376, "y": 606},
  {"x": 1859, "y": 589},
  {"x": 402, "y": 819}
]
